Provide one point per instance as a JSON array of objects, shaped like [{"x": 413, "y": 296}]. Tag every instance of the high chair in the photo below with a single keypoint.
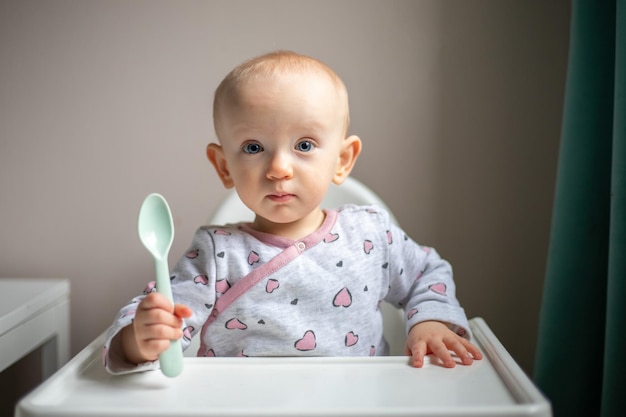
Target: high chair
[
  {"x": 295, "y": 386},
  {"x": 232, "y": 210}
]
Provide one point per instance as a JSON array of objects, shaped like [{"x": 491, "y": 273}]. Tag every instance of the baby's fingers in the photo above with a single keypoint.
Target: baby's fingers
[
  {"x": 182, "y": 311},
  {"x": 440, "y": 350},
  {"x": 418, "y": 352},
  {"x": 156, "y": 316},
  {"x": 471, "y": 349},
  {"x": 464, "y": 350},
  {"x": 163, "y": 331},
  {"x": 155, "y": 321},
  {"x": 156, "y": 300}
]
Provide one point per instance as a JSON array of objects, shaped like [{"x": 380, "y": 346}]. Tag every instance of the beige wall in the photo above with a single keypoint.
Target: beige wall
[{"x": 458, "y": 104}]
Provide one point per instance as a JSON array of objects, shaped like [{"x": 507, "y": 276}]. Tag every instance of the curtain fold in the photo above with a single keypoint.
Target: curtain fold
[
  {"x": 581, "y": 349},
  {"x": 615, "y": 340}
]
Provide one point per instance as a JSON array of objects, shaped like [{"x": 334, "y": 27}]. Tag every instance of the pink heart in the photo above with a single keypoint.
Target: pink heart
[
  {"x": 192, "y": 254},
  {"x": 343, "y": 298},
  {"x": 411, "y": 313},
  {"x": 271, "y": 285},
  {"x": 389, "y": 237},
  {"x": 234, "y": 323},
  {"x": 372, "y": 351},
  {"x": 439, "y": 288},
  {"x": 253, "y": 258},
  {"x": 151, "y": 287},
  {"x": 307, "y": 342},
  {"x": 221, "y": 286},
  {"x": 368, "y": 246},
  {"x": 187, "y": 332},
  {"x": 331, "y": 237},
  {"x": 201, "y": 279},
  {"x": 351, "y": 339},
  {"x": 222, "y": 232}
]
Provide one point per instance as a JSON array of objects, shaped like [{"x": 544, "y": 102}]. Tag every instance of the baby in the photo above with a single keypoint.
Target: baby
[{"x": 298, "y": 280}]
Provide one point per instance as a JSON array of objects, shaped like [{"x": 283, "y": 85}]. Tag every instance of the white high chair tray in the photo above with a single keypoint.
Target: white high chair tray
[{"x": 379, "y": 386}]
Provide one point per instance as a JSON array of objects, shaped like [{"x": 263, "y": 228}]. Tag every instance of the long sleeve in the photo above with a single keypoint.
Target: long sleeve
[
  {"x": 193, "y": 284},
  {"x": 421, "y": 283}
]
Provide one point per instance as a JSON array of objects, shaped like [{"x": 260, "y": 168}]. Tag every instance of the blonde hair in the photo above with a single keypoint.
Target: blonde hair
[{"x": 271, "y": 64}]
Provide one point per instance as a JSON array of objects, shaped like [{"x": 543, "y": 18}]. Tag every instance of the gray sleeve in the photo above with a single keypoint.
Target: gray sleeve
[{"x": 421, "y": 283}]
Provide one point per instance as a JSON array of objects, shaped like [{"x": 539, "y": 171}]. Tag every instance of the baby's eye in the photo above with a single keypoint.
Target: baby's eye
[
  {"x": 252, "y": 148},
  {"x": 305, "y": 146}
]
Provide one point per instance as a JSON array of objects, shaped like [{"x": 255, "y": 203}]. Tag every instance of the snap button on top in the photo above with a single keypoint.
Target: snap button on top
[{"x": 301, "y": 246}]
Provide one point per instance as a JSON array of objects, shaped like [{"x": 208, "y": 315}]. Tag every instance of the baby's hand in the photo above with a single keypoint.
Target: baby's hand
[
  {"x": 156, "y": 323},
  {"x": 435, "y": 337}
]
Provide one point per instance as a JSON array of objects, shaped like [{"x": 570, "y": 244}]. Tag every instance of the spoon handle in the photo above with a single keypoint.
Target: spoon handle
[{"x": 171, "y": 360}]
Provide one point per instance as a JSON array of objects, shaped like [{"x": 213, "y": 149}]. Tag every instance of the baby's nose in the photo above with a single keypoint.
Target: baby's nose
[{"x": 280, "y": 167}]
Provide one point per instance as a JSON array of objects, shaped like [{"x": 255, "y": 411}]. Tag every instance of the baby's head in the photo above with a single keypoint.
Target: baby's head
[
  {"x": 278, "y": 64},
  {"x": 281, "y": 120}
]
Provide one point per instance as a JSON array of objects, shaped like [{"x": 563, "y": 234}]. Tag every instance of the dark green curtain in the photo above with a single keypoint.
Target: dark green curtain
[{"x": 581, "y": 350}]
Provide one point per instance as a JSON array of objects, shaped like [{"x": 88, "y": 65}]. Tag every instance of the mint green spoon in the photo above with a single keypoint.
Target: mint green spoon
[{"x": 156, "y": 231}]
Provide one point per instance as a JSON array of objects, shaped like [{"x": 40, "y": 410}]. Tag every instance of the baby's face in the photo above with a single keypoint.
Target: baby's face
[{"x": 281, "y": 138}]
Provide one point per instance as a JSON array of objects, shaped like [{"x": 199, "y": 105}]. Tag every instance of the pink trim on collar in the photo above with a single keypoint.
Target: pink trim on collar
[{"x": 283, "y": 242}]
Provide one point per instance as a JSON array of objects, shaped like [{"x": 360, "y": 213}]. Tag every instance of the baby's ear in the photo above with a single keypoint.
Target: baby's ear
[
  {"x": 350, "y": 150},
  {"x": 215, "y": 153}
]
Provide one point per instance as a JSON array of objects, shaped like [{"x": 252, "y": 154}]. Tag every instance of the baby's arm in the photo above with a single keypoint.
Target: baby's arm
[
  {"x": 156, "y": 323},
  {"x": 436, "y": 337},
  {"x": 424, "y": 287}
]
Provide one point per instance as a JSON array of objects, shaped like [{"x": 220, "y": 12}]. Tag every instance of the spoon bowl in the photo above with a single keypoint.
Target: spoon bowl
[
  {"x": 156, "y": 232},
  {"x": 155, "y": 225}
]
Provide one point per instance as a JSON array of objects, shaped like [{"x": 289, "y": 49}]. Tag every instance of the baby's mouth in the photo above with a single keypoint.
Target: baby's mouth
[{"x": 280, "y": 197}]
